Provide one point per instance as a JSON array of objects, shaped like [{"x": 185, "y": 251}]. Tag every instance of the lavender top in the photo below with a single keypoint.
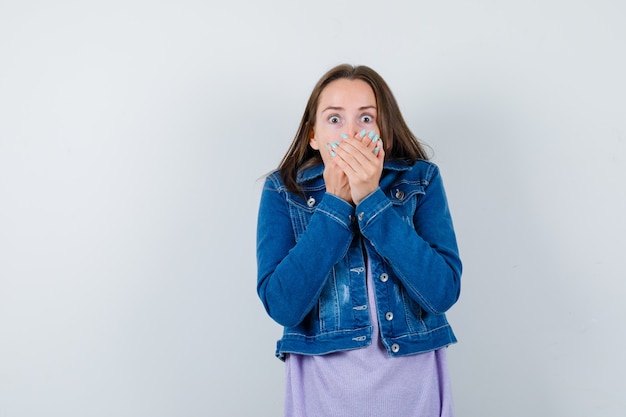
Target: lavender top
[{"x": 367, "y": 382}]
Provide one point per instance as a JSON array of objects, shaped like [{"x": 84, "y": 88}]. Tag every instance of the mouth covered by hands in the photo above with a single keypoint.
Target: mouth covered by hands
[{"x": 355, "y": 167}]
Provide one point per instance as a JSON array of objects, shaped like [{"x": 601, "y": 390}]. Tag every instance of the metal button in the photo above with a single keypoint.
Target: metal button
[
  {"x": 399, "y": 194},
  {"x": 389, "y": 316},
  {"x": 384, "y": 277},
  {"x": 361, "y": 214},
  {"x": 310, "y": 202},
  {"x": 395, "y": 348}
]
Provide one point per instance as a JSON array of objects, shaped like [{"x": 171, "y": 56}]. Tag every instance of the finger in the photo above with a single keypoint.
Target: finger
[
  {"x": 368, "y": 139},
  {"x": 351, "y": 157},
  {"x": 358, "y": 165},
  {"x": 357, "y": 152},
  {"x": 330, "y": 148},
  {"x": 377, "y": 144}
]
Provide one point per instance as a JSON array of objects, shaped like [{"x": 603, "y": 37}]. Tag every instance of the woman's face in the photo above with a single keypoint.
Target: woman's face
[{"x": 345, "y": 107}]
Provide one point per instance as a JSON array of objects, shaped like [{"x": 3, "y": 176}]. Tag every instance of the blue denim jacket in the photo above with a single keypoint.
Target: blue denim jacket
[{"x": 312, "y": 253}]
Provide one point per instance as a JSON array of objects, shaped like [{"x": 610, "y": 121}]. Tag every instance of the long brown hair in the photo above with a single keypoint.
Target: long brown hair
[{"x": 399, "y": 141}]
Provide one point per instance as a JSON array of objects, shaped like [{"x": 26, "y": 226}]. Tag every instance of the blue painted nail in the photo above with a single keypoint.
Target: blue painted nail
[
  {"x": 371, "y": 135},
  {"x": 363, "y": 132},
  {"x": 334, "y": 144},
  {"x": 332, "y": 153},
  {"x": 375, "y": 138},
  {"x": 344, "y": 136},
  {"x": 376, "y": 150}
]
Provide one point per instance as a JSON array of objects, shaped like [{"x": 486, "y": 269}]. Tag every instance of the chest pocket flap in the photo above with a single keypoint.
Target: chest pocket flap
[{"x": 402, "y": 192}]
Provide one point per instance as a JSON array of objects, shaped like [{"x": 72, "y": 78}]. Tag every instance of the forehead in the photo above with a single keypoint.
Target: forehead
[{"x": 347, "y": 93}]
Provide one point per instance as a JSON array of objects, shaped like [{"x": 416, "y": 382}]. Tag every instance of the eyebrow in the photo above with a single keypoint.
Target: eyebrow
[{"x": 341, "y": 108}]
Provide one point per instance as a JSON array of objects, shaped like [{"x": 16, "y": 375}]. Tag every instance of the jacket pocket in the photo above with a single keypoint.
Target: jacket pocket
[
  {"x": 301, "y": 209},
  {"x": 413, "y": 312},
  {"x": 404, "y": 196}
]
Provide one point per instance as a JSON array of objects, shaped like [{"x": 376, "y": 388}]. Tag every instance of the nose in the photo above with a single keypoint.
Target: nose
[{"x": 352, "y": 128}]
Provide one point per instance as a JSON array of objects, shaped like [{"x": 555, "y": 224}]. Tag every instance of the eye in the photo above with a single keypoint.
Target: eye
[
  {"x": 334, "y": 119},
  {"x": 366, "y": 118}
]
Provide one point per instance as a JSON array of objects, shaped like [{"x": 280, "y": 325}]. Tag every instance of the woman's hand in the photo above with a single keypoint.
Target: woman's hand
[
  {"x": 335, "y": 179},
  {"x": 360, "y": 159}
]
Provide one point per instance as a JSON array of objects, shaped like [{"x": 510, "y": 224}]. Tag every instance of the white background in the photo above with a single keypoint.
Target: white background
[{"x": 133, "y": 139}]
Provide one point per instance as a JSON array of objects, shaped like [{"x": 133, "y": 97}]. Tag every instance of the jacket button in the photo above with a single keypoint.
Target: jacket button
[
  {"x": 389, "y": 316},
  {"x": 361, "y": 214},
  {"x": 310, "y": 202},
  {"x": 399, "y": 194},
  {"x": 395, "y": 348},
  {"x": 384, "y": 277}
]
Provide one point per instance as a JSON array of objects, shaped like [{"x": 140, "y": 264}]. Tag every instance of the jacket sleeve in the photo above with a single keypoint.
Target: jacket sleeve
[
  {"x": 291, "y": 274},
  {"x": 424, "y": 256}
]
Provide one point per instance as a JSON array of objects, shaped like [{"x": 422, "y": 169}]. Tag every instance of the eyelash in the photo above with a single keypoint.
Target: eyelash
[{"x": 338, "y": 119}]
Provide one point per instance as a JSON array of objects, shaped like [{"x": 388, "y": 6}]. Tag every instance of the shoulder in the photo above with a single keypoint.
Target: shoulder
[
  {"x": 309, "y": 178},
  {"x": 274, "y": 182},
  {"x": 421, "y": 171}
]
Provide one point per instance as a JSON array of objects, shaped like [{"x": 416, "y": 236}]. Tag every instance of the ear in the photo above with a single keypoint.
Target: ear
[{"x": 313, "y": 141}]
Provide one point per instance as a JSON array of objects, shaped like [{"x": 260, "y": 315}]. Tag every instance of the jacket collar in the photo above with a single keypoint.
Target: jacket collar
[{"x": 316, "y": 171}]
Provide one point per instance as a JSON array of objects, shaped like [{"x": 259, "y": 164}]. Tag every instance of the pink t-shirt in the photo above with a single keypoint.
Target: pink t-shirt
[{"x": 368, "y": 382}]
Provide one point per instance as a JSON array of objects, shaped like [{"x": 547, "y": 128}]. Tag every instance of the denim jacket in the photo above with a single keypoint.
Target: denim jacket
[{"x": 312, "y": 252}]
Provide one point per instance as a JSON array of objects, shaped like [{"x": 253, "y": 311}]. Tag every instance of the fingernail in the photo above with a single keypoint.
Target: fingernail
[
  {"x": 334, "y": 144},
  {"x": 371, "y": 135},
  {"x": 332, "y": 153},
  {"x": 344, "y": 136},
  {"x": 375, "y": 138},
  {"x": 376, "y": 150},
  {"x": 363, "y": 132}
]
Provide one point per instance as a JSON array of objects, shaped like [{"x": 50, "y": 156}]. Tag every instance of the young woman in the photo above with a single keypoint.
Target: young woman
[{"x": 357, "y": 258}]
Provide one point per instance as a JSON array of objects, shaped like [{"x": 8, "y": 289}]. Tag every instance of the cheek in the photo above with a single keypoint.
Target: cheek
[
  {"x": 323, "y": 135},
  {"x": 326, "y": 158},
  {"x": 324, "y": 153},
  {"x": 325, "y": 131}
]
